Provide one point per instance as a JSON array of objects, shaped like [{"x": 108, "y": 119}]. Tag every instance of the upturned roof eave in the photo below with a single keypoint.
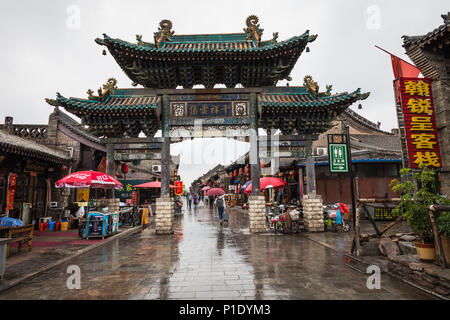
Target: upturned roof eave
[
  {"x": 150, "y": 48},
  {"x": 321, "y": 102},
  {"x": 86, "y": 106}
]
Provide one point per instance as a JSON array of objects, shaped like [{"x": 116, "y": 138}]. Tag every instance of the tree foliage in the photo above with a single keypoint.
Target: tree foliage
[{"x": 417, "y": 191}]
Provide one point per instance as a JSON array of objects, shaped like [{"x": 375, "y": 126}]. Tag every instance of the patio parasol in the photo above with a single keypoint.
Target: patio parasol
[
  {"x": 152, "y": 184},
  {"x": 268, "y": 182},
  {"x": 88, "y": 179},
  {"x": 246, "y": 185},
  {"x": 214, "y": 192}
]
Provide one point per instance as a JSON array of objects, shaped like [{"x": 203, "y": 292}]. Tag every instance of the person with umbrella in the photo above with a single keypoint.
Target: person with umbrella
[
  {"x": 221, "y": 206},
  {"x": 211, "y": 202},
  {"x": 220, "y": 201}
]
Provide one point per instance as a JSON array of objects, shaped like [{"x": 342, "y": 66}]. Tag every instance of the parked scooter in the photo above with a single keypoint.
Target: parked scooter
[
  {"x": 296, "y": 219},
  {"x": 276, "y": 218},
  {"x": 335, "y": 216}
]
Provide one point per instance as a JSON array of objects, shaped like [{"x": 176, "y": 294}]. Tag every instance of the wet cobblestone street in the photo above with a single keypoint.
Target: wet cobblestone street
[{"x": 204, "y": 260}]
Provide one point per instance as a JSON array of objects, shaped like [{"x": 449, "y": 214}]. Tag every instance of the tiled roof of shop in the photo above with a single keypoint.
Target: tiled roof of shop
[
  {"x": 14, "y": 144},
  {"x": 441, "y": 31}
]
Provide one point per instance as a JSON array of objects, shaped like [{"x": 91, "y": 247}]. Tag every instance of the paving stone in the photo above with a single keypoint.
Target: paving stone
[{"x": 208, "y": 261}]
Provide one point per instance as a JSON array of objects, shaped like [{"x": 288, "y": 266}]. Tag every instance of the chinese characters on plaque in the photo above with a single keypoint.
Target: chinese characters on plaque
[
  {"x": 420, "y": 123},
  {"x": 199, "y": 109}
]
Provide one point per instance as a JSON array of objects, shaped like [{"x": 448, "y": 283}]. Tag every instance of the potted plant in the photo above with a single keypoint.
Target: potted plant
[
  {"x": 416, "y": 189},
  {"x": 443, "y": 223}
]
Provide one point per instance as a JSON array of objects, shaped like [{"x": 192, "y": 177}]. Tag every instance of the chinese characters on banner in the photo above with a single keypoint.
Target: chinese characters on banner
[
  {"x": 11, "y": 192},
  {"x": 178, "y": 188},
  {"x": 420, "y": 123},
  {"x": 134, "y": 198}
]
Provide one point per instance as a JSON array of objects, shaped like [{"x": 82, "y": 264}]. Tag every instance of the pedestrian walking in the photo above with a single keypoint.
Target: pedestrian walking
[
  {"x": 195, "y": 201},
  {"x": 221, "y": 206},
  {"x": 189, "y": 201},
  {"x": 211, "y": 202}
]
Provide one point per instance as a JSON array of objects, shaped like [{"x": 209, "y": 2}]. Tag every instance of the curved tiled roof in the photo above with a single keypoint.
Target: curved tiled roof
[
  {"x": 441, "y": 31},
  {"x": 203, "y": 45},
  {"x": 111, "y": 103},
  {"x": 308, "y": 100},
  {"x": 189, "y": 60},
  {"x": 25, "y": 147},
  {"x": 364, "y": 121},
  {"x": 75, "y": 127}
]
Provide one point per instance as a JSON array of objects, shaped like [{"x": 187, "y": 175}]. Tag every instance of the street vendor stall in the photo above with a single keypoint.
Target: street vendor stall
[
  {"x": 108, "y": 222},
  {"x": 148, "y": 207}
]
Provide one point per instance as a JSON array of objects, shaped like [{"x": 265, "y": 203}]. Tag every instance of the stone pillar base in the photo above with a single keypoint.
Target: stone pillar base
[
  {"x": 164, "y": 219},
  {"x": 313, "y": 213},
  {"x": 257, "y": 213}
]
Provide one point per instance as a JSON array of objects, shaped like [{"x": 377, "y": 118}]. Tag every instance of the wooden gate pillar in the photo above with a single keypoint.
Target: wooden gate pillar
[
  {"x": 164, "y": 220},
  {"x": 312, "y": 203},
  {"x": 257, "y": 208},
  {"x": 110, "y": 167},
  {"x": 254, "y": 152},
  {"x": 165, "y": 152},
  {"x": 310, "y": 166}
]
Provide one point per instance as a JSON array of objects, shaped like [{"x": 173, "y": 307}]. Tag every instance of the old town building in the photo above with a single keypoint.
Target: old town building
[
  {"x": 376, "y": 160},
  {"x": 431, "y": 53}
]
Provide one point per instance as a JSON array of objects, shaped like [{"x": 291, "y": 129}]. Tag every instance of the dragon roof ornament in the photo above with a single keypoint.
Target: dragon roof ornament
[
  {"x": 253, "y": 31},
  {"x": 164, "y": 33}
]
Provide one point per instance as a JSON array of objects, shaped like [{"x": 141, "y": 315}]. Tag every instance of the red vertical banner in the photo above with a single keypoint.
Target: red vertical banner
[
  {"x": 11, "y": 192},
  {"x": 178, "y": 188},
  {"x": 420, "y": 123},
  {"x": 134, "y": 199}
]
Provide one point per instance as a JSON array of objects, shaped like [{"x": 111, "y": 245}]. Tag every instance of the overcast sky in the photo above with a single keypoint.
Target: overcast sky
[{"x": 48, "y": 46}]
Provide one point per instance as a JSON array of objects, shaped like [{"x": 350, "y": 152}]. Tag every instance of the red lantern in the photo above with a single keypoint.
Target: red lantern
[
  {"x": 248, "y": 178},
  {"x": 117, "y": 173},
  {"x": 125, "y": 168},
  {"x": 247, "y": 169},
  {"x": 281, "y": 174},
  {"x": 241, "y": 171},
  {"x": 235, "y": 173},
  {"x": 230, "y": 174}
]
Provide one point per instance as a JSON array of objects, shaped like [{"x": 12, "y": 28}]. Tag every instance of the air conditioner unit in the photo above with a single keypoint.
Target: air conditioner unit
[{"x": 156, "y": 168}]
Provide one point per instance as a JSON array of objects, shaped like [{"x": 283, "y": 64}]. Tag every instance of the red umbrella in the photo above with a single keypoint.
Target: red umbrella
[
  {"x": 214, "y": 192},
  {"x": 88, "y": 179},
  {"x": 153, "y": 184},
  {"x": 265, "y": 182},
  {"x": 206, "y": 188}
]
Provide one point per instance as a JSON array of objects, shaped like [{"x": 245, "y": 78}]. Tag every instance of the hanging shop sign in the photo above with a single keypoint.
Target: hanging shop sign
[
  {"x": 134, "y": 198},
  {"x": 178, "y": 188},
  {"x": 32, "y": 166},
  {"x": 83, "y": 195},
  {"x": 337, "y": 153},
  {"x": 127, "y": 189},
  {"x": 420, "y": 123},
  {"x": 11, "y": 192},
  {"x": 102, "y": 165},
  {"x": 384, "y": 214}
]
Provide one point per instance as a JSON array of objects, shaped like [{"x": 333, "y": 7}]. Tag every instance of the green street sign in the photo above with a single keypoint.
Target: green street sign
[{"x": 338, "y": 157}]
